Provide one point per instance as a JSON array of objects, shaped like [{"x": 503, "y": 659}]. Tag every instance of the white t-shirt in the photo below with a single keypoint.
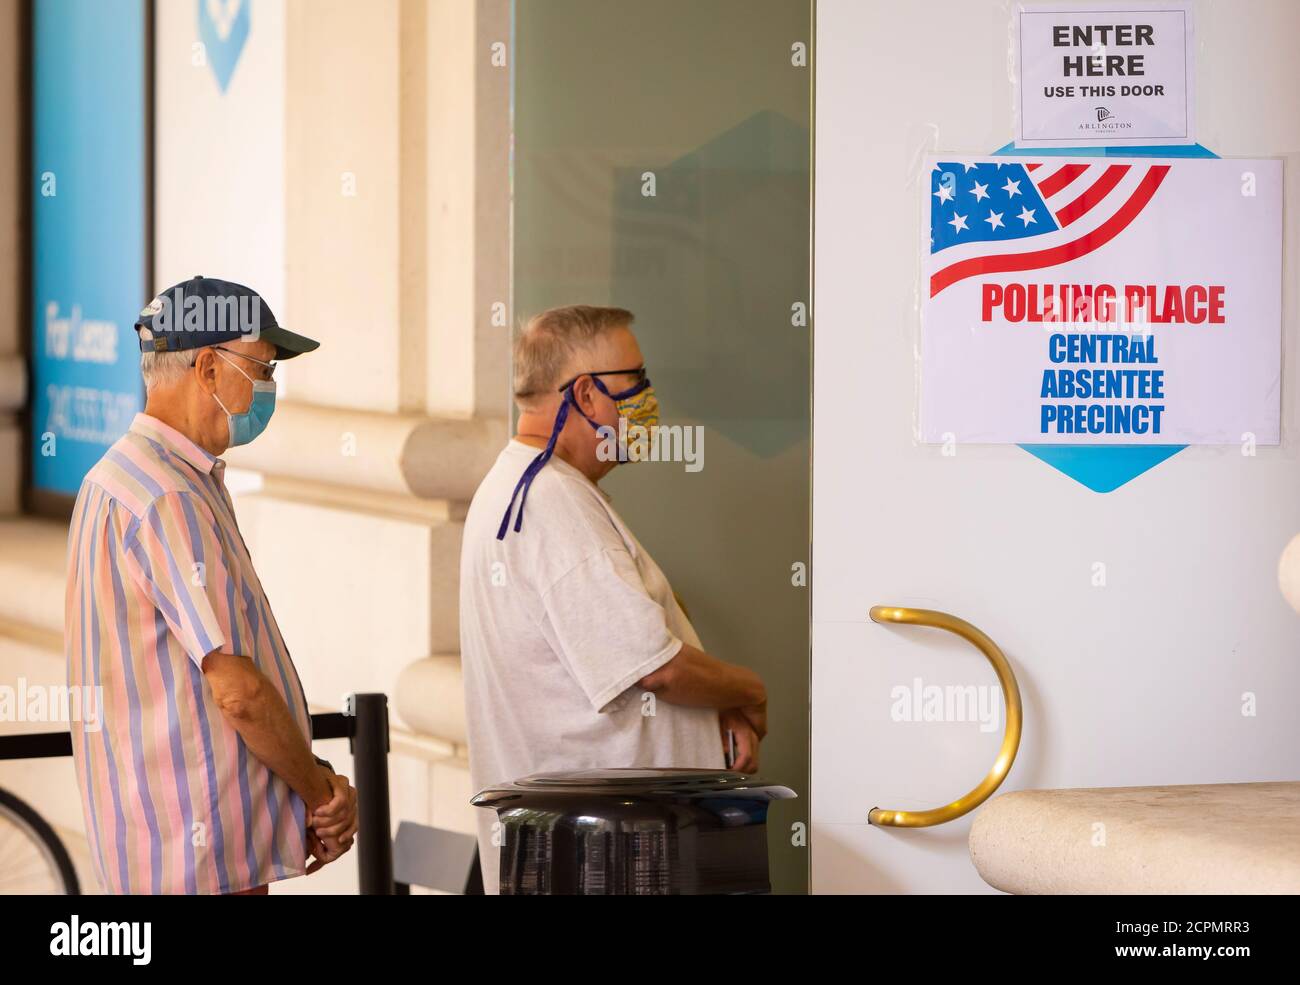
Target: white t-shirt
[{"x": 558, "y": 622}]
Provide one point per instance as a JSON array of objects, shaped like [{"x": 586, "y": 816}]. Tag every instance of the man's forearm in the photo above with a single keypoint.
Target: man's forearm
[
  {"x": 256, "y": 711},
  {"x": 696, "y": 679},
  {"x": 273, "y": 737}
]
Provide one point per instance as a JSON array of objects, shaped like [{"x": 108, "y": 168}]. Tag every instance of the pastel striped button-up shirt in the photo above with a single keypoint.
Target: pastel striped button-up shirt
[{"x": 158, "y": 577}]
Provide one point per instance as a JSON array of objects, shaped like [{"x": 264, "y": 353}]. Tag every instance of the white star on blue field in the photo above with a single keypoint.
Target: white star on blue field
[{"x": 980, "y": 203}]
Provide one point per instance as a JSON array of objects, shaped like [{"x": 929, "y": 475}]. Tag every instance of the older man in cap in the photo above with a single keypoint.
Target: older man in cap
[{"x": 202, "y": 778}]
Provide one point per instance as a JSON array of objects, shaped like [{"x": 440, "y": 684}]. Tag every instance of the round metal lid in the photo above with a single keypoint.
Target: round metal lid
[
  {"x": 632, "y": 777},
  {"x": 672, "y": 781}
]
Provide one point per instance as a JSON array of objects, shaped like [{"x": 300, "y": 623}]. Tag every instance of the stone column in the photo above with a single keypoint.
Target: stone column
[{"x": 396, "y": 250}]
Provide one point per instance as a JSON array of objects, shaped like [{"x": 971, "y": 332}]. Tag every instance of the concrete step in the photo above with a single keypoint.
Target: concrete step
[{"x": 1217, "y": 838}]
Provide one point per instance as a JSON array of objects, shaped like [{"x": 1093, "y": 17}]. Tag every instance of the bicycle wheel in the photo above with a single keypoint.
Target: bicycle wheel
[{"x": 33, "y": 861}]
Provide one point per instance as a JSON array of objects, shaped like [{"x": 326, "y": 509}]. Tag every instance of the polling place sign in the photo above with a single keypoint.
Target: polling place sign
[
  {"x": 1105, "y": 76},
  {"x": 1102, "y": 300}
]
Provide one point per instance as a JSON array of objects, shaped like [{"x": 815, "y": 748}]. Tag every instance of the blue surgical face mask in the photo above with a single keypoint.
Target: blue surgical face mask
[
  {"x": 248, "y": 425},
  {"x": 627, "y": 405}
]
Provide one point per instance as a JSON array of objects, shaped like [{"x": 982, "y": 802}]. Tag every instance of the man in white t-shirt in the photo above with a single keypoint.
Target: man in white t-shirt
[{"x": 566, "y": 623}]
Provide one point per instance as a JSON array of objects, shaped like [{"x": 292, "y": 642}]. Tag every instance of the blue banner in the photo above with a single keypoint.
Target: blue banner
[{"x": 88, "y": 231}]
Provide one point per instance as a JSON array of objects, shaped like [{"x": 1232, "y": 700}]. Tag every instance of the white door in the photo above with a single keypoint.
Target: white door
[{"x": 1137, "y": 677}]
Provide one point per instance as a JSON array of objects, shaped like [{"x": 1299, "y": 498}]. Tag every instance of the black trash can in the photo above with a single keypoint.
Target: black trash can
[{"x": 633, "y": 832}]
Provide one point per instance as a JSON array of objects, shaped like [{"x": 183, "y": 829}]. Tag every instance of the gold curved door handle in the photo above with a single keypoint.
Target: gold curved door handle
[{"x": 1010, "y": 739}]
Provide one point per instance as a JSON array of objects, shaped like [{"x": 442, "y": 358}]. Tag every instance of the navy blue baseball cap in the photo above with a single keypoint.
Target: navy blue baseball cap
[{"x": 205, "y": 311}]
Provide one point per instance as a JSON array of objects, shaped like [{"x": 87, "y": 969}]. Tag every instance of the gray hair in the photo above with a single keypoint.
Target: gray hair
[
  {"x": 545, "y": 349},
  {"x": 162, "y": 368}
]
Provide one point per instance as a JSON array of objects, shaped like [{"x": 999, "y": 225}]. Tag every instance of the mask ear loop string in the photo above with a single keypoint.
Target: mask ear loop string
[
  {"x": 226, "y": 359},
  {"x": 525, "y": 482}
]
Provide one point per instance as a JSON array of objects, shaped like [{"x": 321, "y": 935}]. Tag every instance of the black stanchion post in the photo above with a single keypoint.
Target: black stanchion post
[{"x": 370, "y": 761}]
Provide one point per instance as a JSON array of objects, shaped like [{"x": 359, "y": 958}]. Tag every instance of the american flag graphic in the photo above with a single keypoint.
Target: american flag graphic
[{"x": 1002, "y": 216}]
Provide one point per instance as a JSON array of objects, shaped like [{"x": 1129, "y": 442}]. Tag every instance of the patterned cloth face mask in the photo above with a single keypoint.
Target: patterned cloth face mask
[{"x": 637, "y": 405}]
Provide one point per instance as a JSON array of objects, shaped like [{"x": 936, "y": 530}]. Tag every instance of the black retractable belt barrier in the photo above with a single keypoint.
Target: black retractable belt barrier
[{"x": 364, "y": 724}]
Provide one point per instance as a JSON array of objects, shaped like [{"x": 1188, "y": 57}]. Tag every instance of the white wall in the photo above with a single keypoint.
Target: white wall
[
  {"x": 1139, "y": 682},
  {"x": 219, "y": 156}
]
